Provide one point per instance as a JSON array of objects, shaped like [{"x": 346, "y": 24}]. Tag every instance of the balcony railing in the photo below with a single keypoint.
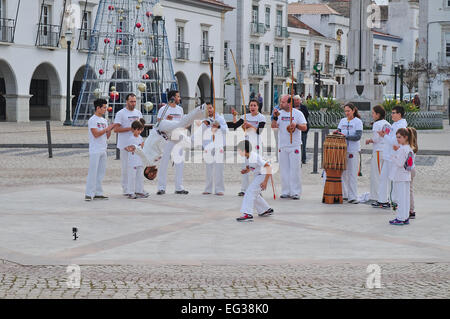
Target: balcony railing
[
  {"x": 257, "y": 70},
  {"x": 329, "y": 68},
  {"x": 281, "y": 71},
  {"x": 182, "y": 50},
  {"x": 257, "y": 28},
  {"x": 305, "y": 65},
  {"x": 206, "y": 52},
  {"x": 378, "y": 67},
  {"x": 7, "y": 30},
  {"x": 341, "y": 61},
  {"x": 281, "y": 32},
  {"x": 48, "y": 35},
  {"x": 84, "y": 42}
]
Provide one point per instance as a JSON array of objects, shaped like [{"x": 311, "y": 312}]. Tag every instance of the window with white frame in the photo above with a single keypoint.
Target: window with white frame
[
  {"x": 46, "y": 18},
  {"x": 205, "y": 38},
  {"x": 383, "y": 56},
  {"x": 394, "y": 54},
  {"x": 267, "y": 20},
  {"x": 255, "y": 14},
  {"x": 267, "y": 55},
  {"x": 86, "y": 25},
  {"x": 279, "y": 18},
  {"x": 447, "y": 45},
  {"x": 254, "y": 54}
]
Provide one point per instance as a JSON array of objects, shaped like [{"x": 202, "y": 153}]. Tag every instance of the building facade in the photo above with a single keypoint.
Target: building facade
[{"x": 256, "y": 32}]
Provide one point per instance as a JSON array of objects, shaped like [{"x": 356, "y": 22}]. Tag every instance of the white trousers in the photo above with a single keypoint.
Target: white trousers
[
  {"x": 375, "y": 172},
  {"x": 124, "y": 170},
  {"x": 290, "y": 170},
  {"x": 349, "y": 177},
  {"x": 214, "y": 173},
  {"x": 253, "y": 199},
  {"x": 384, "y": 182},
  {"x": 135, "y": 179},
  {"x": 96, "y": 172},
  {"x": 402, "y": 198},
  {"x": 179, "y": 165}
]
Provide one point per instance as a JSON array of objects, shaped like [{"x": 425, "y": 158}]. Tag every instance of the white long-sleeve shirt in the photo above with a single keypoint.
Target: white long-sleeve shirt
[
  {"x": 398, "y": 172},
  {"x": 391, "y": 139},
  {"x": 207, "y": 137},
  {"x": 378, "y": 141}
]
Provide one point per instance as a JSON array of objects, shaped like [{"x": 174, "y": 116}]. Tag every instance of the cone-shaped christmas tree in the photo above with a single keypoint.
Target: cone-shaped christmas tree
[{"x": 128, "y": 53}]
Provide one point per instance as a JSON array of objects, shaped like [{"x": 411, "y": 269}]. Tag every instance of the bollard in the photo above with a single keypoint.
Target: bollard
[
  {"x": 316, "y": 153},
  {"x": 49, "y": 140},
  {"x": 117, "y": 150}
]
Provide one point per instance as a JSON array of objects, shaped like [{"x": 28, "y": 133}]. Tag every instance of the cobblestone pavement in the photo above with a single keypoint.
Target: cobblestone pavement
[{"x": 399, "y": 281}]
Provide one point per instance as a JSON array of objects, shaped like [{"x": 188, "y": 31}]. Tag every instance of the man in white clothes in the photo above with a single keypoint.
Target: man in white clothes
[
  {"x": 389, "y": 139},
  {"x": 289, "y": 153},
  {"x": 99, "y": 132},
  {"x": 171, "y": 112},
  {"x": 123, "y": 121},
  {"x": 214, "y": 129}
]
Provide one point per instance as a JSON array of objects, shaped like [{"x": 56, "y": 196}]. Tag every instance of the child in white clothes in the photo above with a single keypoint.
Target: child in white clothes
[
  {"x": 135, "y": 166},
  {"x": 400, "y": 174}
]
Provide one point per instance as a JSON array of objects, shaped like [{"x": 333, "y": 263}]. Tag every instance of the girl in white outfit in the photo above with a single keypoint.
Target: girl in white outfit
[
  {"x": 378, "y": 115},
  {"x": 402, "y": 164},
  {"x": 351, "y": 127},
  {"x": 135, "y": 165}
]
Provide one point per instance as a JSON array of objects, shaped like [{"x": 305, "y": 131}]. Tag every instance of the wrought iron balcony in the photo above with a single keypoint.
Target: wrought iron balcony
[
  {"x": 84, "y": 41},
  {"x": 48, "y": 35},
  {"x": 182, "y": 50},
  {"x": 206, "y": 53},
  {"x": 329, "y": 68},
  {"x": 281, "y": 32},
  {"x": 305, "y": 65},
  {"x": 7, "y": 30},
  {"x": 281, "y": 71},
  {"x": 378, "y": 67},
  {"x": 257, "y": 70},
  {"x": 257, "y": 29},
  {"x": 341, "y": 61}
]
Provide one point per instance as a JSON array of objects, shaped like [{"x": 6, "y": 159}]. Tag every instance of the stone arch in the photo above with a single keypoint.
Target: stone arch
[
  {"x": 77, "y": 83},
  {"x": 183, "y": 88},
  {"x": 8, "y": 86},
  {"x": 203, "y": 89},
  {"x": 45, "y": 87}
]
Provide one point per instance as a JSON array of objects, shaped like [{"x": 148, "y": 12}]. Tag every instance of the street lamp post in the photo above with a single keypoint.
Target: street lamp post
[
  {"x": 157, "y": 17},
  {"x": 68, "y": 36},
  {"x": 401, "y": 82},
  {"x": 271, "y": 84},
  {"x": 395, "y": 79}
]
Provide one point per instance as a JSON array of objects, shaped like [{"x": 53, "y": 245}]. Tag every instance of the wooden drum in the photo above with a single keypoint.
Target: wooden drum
[{"x": 334, "y": 161}]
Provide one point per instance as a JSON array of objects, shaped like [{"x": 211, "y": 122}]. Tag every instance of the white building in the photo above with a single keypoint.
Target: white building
[
  {"x": 33, "y": 63},
  {"x": 307, "y": 48},
  {"x": 434, "y": 48},
  {"x": 256, "y": 31}
]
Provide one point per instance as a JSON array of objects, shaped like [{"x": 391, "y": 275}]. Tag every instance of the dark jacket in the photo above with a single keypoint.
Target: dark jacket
[{"x": 305, "y": 112}]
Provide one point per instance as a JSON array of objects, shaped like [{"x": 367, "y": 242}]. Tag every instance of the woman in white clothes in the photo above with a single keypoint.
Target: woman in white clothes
[
  {"x": 351, "y": 127},
  {"x": 378, "y": 115},
  {"x": 253, "y": 124}
]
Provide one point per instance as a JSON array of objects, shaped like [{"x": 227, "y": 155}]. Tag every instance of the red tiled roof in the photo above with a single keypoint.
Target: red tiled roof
[
  {"x": 293, "y": 22},
  {"x": 386, "y": 34}
]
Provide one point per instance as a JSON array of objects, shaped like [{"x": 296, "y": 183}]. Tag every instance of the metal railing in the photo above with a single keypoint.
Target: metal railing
[
  {"x": 256, "y": 70},
  {"x": 48, "y": 35},
  {"x": 7, "y": 30},
  {"x": 281, "y": 71},
  {"x": 84, "y": 41},
  {"x": 329, "y": 68},
  {"x": 341, "y": 61},
  {"x": 378, "y": 67},
  {"x": 257, "y": 28},
  {"x": 281, "y": 32},
  {"x": 305, "y": 65},
  {"x": 206, "y": 53},
  {"x": 182, "y": 50}
]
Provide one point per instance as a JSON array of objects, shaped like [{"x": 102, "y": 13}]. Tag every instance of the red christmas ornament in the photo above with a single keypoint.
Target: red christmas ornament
[
  {"x": 140, "y": 66},
  {"x": 107, "y": 40},
  {"x": 114, "y": 95},
  {"x": 110, "y": 8},
  {"x": 146, "y": 76},
  {"x": 148, "y": 14},
  {"x": 138, "y": 25},
  {"x": 142, "y": 29},
  {"x": 101, "y": 71},
  {"x": 154, "y": 60},
  {"x": 119, "y": 41},
  {"x": 119, "y": 30}
]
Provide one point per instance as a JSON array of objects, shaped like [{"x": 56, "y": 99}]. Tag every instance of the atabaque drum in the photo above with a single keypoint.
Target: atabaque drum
[{"x": 334, "y": 161}]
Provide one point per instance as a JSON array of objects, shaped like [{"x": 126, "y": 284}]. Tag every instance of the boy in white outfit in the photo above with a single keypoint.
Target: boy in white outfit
[
  {"x": 135, "y": 166},
  {"x": 289, "y": 153},
  {"x": 389, "y": 139},
  {"x": 402, "y": 163},
  {"x": 123, "y": 119},
  {"x": 214, "y": 138},
  {"x": 262, "y": 172},
  {"x": 99, "y": 132}
]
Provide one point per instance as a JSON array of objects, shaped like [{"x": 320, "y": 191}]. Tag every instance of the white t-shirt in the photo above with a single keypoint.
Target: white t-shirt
[
  {"x": 133, "y": 159},
  {"x": 125, "y": 117},
  {"x": 378, "y": 141},
  {"x": 254, "y": 121},
  {"x": 177, "y": 112},
  {"x": 207, "y": 134},
  {"x": 256, "y": 163},
  {"x": 99, "y": 144},
  {"x": 348, "y": 129},
  {"x": 284, "y": 137},
  {"x": 391, "y": 139}
]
